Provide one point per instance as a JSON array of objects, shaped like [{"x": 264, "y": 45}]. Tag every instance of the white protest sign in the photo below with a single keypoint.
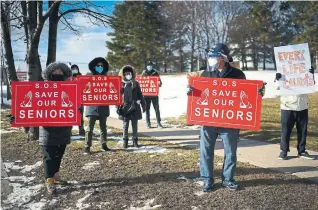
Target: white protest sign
[{"x": 293, "y": 62}]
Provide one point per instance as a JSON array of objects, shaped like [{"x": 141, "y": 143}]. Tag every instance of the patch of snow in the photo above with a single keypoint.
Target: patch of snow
[
  {"x": 199, "y": 193},
  {"x": 80, "y": 205},
  {"x": 23, "y": 179},
  {"x": 26, "y": 168},
  {"x": 77, "y": 137},
  {"x": 7, "y": 131},
  {"x": 22, "y": 194},
  {"x": 36, "y": 205},
  {"x": 91, "y": 165},
  {"x": 72, "y": 182},
  {"x": 102, "y": 204},
  {"x": 199, "y": 182},
  {"x": 182, "y": 177},
  {"x": 53, "y": 201},
  {"x": 152, "y": 156},
  {"x": 195, "y": 208},
  {"x": 18, "y": 161},
  {"x": 115, "y": 138},
  {"x": 150, "y": 149},
  {"x": 146, "y": 206}
]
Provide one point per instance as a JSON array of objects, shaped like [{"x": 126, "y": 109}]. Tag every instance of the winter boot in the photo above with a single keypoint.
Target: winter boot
[
  {"x": 105, "y": 148},
  {"x": 135, "y": 142},
  {"x": 58, "y": 180},
  {"x": 50, "y": 186},
  {"x": 125, "y": 143},
  {"x": 81, "y": 131},
  {"x": 159, "y": 125},
  {"x": 87, "y": 150}
]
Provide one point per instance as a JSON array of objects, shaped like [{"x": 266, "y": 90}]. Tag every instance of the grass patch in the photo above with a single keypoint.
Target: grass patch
[{"x": 271, "y": 124}]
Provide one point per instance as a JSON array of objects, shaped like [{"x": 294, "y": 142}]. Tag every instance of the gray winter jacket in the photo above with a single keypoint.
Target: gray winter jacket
[{"x": 50, "y": 136}]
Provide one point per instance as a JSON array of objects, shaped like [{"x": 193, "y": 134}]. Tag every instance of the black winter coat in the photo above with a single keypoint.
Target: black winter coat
[
  {"x": 227, "y": 72},
  {"x": 136, "y": 95},
  {"x": 50, "y": 136}
]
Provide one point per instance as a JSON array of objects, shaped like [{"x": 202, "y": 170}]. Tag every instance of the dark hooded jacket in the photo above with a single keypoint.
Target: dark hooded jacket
[
  {"x": 97, "y": 110},
  {"x": 50, "y": 136},
  {"x": 152, "y": 73},
  {"x": 131, "y": 92}
]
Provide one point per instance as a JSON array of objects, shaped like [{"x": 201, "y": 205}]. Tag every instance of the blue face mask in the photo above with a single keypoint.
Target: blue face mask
[
  {"x": 149, "y": 68},
  {"x": 99, "y": 69}
]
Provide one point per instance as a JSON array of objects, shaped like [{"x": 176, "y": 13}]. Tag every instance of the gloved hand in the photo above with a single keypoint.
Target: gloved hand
[
  {"x": 312, "y": 71},
  {"x": 262, "y": 89},
  {"x": 278, "y": 76},
  {"x": 11, "y": 119},
  {"x": 118, "y": 110},
  {"x": 189, "y": 90}
]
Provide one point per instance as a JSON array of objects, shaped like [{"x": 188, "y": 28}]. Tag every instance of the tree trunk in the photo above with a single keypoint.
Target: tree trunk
[
  {"x": 6, "y": 37},
  {"x": 53, "y": 23},
  {"x": 264, "y": 56}
]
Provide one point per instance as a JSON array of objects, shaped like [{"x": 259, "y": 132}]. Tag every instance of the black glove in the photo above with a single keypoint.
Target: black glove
[
  {"x": 189, "y": 90},
  {"x": 312, "y": 71},
  {"x": 11, "y": 119},
  {"x": 278, "y": 76},
  {"x": 262, "y": 89}
]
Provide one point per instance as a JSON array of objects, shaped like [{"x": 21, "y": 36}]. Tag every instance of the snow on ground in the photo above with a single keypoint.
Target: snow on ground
[
  {"x": 149, "y": 149},
  {"x": 89, "y": 166},
  {"x": 25, "y": 168},
  {"x": 147, "y": 205}
]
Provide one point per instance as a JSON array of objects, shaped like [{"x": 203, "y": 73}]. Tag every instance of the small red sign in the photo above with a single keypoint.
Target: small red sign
[
  {"x": 100, "y": 90},
  {"x": 149, "y": 85},
  {"x": 225, "y": 103},
  {"x": 46, "y": 103}
]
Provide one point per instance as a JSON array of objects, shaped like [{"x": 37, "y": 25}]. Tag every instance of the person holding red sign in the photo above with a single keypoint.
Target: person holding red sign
[
  {"x": 218, "y": 67},
  {"x": 53, "y": 140},
  {"x": 132, "y": 100},
  {"x": 98, "y": 66},
  {"x": 152, "y": 99},
  {"x": 75, "y": 73}
]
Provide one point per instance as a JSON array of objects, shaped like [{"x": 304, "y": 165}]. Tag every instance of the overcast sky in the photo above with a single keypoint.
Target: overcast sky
[{"x": 70, "y": 47}]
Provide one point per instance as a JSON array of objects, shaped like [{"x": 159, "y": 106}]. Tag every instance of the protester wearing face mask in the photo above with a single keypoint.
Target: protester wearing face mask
[
  {"x": 132, "y": 100},
  {"x": 53, "y": 140},
  {"x": 75, "y": 73},
  {"x": 218, "y": 67},
  {"x": 152, "y": 99},
  {"x": 98, "y": 66}
]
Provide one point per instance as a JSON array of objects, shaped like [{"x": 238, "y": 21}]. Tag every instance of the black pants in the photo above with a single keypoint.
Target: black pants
[
  {"x": 155, "y": 103},
  {"x": 52, "y": 157},
  {"x": 134, "y": 124},
  {"x": 82, "y": 118},
  {"x": 289, "y": 119},
  {"x": 89, "y": 132}
]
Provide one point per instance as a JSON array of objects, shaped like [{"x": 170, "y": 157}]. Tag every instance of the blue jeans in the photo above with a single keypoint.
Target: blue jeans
[{"x": 208, "y": 138}]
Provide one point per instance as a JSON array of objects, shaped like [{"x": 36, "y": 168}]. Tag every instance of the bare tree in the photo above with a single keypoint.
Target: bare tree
[
  {"x": 86, "y": 8},
  {"x": 6, "y": 39}
]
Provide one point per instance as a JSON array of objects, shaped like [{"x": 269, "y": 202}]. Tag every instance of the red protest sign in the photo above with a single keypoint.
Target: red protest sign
[
  {"x": 100, "y": 90},
  {"x": 46, "y": 103},
  {"x": 225, "y": 103},
  {"x": 149, "y": 85}
]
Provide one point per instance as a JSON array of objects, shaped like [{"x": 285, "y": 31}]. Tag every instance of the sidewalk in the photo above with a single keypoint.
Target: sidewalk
[{"x": 257, "y": 153}]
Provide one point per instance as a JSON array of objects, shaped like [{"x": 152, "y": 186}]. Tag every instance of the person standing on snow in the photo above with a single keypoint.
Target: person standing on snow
[
  {"x": 218, "y": 67},
  {"x": 98, "y": 66},
  {"x": 132, "y": 100},
  {"x": 294, "y": 110},
  {"x": 75, "y": 73},
  {"x": 150, "y": 71}
]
